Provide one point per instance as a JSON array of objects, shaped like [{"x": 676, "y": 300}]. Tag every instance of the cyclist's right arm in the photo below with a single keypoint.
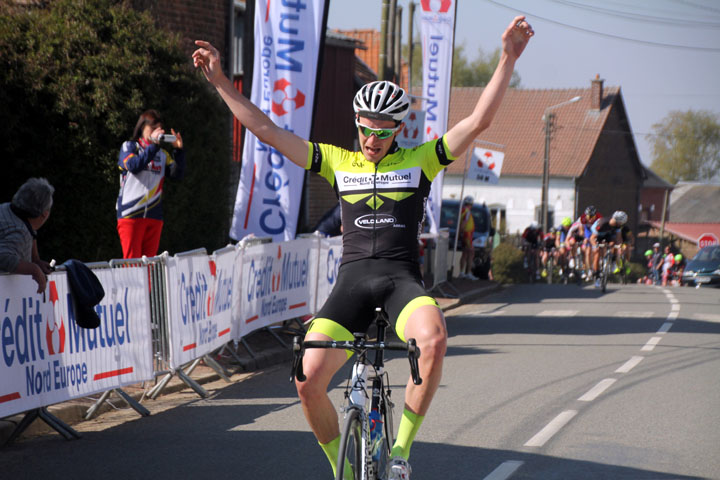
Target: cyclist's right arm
[{"x": 250, "y": 116}]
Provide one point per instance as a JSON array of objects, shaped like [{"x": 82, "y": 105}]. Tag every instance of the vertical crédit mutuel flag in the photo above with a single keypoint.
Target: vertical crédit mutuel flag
[
  {"x": 287, "y": 44},
  {"x": 437, "y": 26}
]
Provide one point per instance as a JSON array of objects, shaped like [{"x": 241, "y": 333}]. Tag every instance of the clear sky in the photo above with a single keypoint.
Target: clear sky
[{"x": 664, "y": 54}]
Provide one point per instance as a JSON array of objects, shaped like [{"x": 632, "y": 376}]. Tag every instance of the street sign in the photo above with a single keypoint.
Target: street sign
[
  {"x": 707, "y": 239},
  {"x": 485, "y": 166}
]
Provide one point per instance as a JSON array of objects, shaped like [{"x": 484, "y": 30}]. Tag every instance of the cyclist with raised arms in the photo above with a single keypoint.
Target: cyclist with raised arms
[
  {"x": 605, "y": 232},
  {"x": 383, "y": 190}
]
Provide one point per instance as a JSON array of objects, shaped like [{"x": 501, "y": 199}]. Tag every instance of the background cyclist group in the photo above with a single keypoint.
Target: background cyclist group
[{"x": 576, "y": 247}]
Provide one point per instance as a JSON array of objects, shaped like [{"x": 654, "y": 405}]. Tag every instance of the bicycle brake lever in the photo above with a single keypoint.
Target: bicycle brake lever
[
  {"x": 298, "y": 352},
  {"x": 413, "y": 355}
]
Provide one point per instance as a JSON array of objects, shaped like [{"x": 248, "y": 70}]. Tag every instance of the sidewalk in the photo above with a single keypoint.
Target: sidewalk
[{"x": 267, "y": 351}]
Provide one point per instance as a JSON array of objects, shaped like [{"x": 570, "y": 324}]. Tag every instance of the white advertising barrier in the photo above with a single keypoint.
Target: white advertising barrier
[
  {"x": 200, "y": 290},
  {"x": 276, "y": 280},
  {"x": 328, "y": 265},
  {"x": 47, "y": 358}
]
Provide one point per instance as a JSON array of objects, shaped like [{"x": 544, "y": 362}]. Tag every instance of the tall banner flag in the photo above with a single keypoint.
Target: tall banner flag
[
  {"x": 287, "y": 44},
  {"x": 437, "y": 26}
]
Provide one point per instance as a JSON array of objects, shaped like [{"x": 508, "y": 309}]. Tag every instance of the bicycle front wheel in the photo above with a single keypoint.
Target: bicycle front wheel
[{"x": 351, "y": 453}]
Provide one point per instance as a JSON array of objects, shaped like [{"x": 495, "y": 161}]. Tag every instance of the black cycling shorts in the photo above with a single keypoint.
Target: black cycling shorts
[{"x": 363, "y": 285}]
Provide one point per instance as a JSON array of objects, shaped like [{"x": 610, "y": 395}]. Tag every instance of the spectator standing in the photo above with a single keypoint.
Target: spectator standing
[
  {"x": 144, "y": 164},
  {"x": 656, "y": 261},
  {"x": 667, "y": 264},
  {"x": 467, "y": 228},
  {"x": 19, "y": 222}
]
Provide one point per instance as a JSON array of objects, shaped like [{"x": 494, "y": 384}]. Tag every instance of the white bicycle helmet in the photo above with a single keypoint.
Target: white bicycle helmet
[
  {"x": 382, "y": 100},
  {"x": 620, "y": 217}
]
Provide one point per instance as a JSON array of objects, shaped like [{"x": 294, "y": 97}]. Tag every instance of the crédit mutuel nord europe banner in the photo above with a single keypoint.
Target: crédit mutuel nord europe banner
[
  {"x": 287, "y": 44},
  {"x": 437, "y": 25}
]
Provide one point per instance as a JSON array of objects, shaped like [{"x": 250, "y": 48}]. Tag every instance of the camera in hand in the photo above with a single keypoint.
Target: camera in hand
[{"x": 166, "y": 138}]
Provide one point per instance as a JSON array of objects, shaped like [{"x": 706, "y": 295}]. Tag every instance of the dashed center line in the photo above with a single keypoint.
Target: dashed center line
[
  {"x": 593, "y": 393},
  {"x": 557, "y": 313},
  {"x": 650, "y": 345},
  {"x": 551, "y": 429},
  {"x": 630, "y": 364},
  {"x": 665, "y": 327},
  {"x": 633, "y": 314},
  {"x": 504, "y": 470}
]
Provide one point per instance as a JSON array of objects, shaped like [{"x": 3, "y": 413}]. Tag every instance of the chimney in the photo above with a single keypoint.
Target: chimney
[{"x": 596, "y": 93}]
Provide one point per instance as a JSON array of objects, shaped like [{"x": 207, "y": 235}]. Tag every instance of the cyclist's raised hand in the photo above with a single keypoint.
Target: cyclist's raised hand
[
  {"x": 516, "y": 37},
  {"x": 207, "y": 58}
]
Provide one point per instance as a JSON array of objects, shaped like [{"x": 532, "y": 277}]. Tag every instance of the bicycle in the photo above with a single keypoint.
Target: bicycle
[
  {"x": 530, "y": 260},
  {"x": 606, "y": 265},
  {"x": 367, "y": 434}
]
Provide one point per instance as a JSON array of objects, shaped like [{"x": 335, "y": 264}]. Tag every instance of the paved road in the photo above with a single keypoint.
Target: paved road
[{"x": 541, "y": 382}]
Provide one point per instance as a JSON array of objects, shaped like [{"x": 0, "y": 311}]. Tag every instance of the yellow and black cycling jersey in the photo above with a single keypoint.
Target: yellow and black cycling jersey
[{"x": 383, "y": 204}]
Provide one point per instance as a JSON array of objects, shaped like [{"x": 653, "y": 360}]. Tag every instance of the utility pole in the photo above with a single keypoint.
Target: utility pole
[
  {"x": 549, "y": 124},
  {"x": 411, "y": 17},
  {"x": 398, "y": 45},
  {"x": 382, "y": 61},
  {"x": 390, "y": 45}
]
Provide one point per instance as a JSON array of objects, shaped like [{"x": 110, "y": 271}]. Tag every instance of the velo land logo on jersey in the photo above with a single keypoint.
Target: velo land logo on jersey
[
  {"x": 375, "y": 220},
  {"x": 286, "y": 98},
  {"x": 437, "y": 6}
]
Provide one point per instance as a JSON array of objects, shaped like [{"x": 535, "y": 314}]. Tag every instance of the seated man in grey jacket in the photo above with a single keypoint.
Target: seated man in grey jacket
[{"x": 19, "y": 221}]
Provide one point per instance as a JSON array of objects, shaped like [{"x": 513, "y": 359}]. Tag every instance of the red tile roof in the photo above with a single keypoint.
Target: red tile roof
[{"x": 519, "y": 126}]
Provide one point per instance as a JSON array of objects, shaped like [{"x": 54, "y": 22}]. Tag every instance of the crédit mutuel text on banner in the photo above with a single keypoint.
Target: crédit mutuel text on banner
[
  {"x": 437, "y": 23},
  {"x": 287, "y": 43}
]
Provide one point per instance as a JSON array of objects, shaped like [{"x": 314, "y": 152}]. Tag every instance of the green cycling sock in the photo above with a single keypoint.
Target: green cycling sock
[
  {"x": 331, "y": 450},
  {"x": 409, "y": 425}
]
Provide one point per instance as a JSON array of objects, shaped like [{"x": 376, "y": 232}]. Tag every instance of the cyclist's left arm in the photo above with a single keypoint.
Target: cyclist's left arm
[{"x": 514, "y": 40}]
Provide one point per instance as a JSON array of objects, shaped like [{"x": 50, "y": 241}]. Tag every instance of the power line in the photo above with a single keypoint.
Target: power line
[
  {"x": 608, "y": 35},
  {"x": 704, "y": 8},
  {"x": 639, "y": 17}
]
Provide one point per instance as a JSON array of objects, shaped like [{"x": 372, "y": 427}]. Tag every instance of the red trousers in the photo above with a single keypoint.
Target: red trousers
[{"x": 139, "y": 236}]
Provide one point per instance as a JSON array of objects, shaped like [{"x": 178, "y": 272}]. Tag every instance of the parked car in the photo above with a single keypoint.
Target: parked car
[
  {"x": 704, "y": 268},
  {"x": 482, "y": 237}
]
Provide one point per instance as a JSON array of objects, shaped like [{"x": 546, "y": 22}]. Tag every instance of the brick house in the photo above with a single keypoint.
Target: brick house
[{"x": 593, "y": 158}]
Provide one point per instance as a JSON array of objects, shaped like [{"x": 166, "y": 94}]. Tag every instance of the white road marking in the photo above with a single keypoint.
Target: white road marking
[
  {"x": 594, "y": 392},
  {"x": 674, "y": 307},
  {"x": 667, "y": 292},
  {"x": 708, "y": 317},
  {"x": 650, "y": 345},
  {"x": 504, "y": 470},
  {"x": 633, "y": 314},
  {"x": 673, "y": 299},
  {"x": 492, "y": 313},
  {"x": 557, "y": 313},
  {"x": 551, "y": 429},
  {"x": 630, "y": 364},
  {"x": 665, "y": 327},
  {"x": 673, "y": 315}
]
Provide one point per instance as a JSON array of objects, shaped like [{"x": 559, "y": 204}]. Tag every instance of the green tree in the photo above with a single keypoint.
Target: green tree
[
  {"x": 74, "y": 77},
  {"x": 686, "y": 146}
]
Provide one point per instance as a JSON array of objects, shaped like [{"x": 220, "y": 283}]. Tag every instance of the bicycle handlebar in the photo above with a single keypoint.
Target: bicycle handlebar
[{"x": 358, "y": 346}]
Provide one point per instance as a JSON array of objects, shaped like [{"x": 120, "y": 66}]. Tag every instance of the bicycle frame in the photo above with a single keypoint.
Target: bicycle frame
[{"x": 374, "y": 446}]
